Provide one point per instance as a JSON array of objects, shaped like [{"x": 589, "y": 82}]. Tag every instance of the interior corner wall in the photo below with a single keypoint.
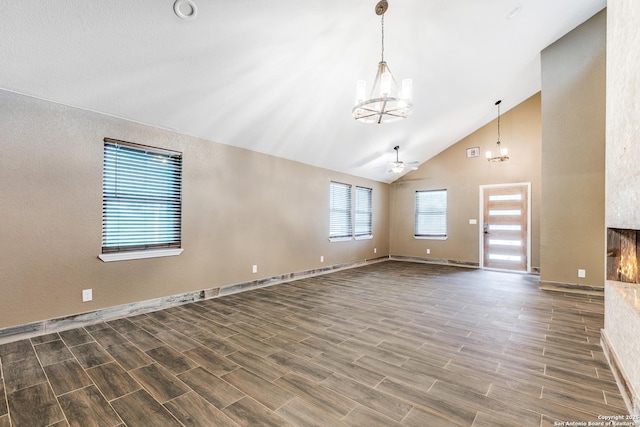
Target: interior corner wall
[
  {"x": 240, "y": 208},
  {"x": 573, "y": 149},
  {"x": 462, "y": 177}
]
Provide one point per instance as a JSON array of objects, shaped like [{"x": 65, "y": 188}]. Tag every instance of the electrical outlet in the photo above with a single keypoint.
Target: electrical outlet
[
  {"x": 87, "y": 295},
  {"x": 375, "y": 250},
  {"x": 428, "y": 251},
  {"x": 254, "y": 269},
  {"x": 321, "y": 258},
  {"x": 582, "y": 273}
]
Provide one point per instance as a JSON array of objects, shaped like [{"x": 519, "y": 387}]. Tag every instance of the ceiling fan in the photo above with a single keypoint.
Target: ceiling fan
[{"x": 399, "y": 166}]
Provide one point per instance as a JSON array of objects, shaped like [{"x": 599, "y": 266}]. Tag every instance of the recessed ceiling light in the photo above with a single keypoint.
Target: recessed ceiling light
[
  {"x": 516, "y": 10},
  {"x": 185, "y": 9}
]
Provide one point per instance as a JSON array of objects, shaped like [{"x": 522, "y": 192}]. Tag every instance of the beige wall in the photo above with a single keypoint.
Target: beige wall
[
  {"x": 573, "y": 135},
  {"x": 239, "y": 208},
  {"x": 462, "y": 177}
]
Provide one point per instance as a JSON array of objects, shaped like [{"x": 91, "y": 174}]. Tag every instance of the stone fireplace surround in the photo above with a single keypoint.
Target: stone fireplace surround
[
  {"x": 621, "y": 333},
  {"x": 619, "y": 337}
]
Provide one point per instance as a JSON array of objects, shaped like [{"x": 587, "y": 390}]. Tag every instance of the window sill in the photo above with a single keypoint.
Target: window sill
[
  {"x": 430, "y": 238},
  {"x": 129, "y": 255},
  {"x": 340, "y": 239},
  {"x": 368, "y": 237}
]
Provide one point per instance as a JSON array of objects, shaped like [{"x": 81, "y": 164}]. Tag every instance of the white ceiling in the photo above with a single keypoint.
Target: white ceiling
[{"x": 279, "y": 76}]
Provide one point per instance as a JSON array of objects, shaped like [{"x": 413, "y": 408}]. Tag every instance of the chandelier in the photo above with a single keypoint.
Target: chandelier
[
  {"x": 387, "y": 102},
  {"x": 501, "y": 154}
]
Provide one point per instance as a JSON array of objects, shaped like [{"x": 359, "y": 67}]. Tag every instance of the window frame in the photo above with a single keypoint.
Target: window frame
[
  {"x": 418, "y": 233},
  {"x": 351, "y": 192},
  {"x": 368, "y": 210},
  {"x": 337, "y": 214},
  {"x": 160, "y": 206}
]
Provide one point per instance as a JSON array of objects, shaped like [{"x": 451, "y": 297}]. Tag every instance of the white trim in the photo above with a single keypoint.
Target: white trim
[
  {"x": 430, "y": 237},
  {"x": 365, "y": 237},
  {"x": 129, "y": 255},
  {"x": 340, "y": 239}
]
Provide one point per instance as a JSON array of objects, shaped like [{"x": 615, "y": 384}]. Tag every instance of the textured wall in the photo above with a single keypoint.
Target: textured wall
[
  {"x": 573, "y": 146},
  {"x": 623, "y": 114},
  {"x": 239, "y": 208},
  {"x": 621, "y": 325},
  {"x": 622, "y": 316}
]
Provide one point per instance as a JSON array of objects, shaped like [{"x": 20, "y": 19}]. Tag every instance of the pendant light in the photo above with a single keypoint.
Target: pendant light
[
  {"x": 500, "y": 154},
  {"x": 387, "y": 102}
]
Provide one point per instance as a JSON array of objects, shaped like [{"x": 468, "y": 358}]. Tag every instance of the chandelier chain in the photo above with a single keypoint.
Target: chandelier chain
[{"x": 382, "y": 50}]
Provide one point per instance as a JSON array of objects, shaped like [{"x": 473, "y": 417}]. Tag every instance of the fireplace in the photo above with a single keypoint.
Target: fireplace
[{"x": 623, "y": 248}]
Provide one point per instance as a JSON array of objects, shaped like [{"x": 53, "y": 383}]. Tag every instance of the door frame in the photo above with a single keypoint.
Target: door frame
[{"x": 481, "y": 216}]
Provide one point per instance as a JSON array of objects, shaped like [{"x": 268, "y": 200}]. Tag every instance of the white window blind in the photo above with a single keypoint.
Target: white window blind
[
  {"x": 431, "y": 213},
  {"x": 141, "y": 197},
  {"x": 363, "y": 212},
  {"x": 340, "y": 210}
]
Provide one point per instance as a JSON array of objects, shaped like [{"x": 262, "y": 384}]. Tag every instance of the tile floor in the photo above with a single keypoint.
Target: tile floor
[{"x": 389, "y": 344}]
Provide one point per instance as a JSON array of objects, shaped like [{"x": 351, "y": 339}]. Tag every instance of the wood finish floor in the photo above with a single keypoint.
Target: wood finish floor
[{"x": 389, "y": 344}]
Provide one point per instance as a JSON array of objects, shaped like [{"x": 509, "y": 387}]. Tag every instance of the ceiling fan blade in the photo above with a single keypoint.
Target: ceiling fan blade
[{"x": 413, "y": 165}]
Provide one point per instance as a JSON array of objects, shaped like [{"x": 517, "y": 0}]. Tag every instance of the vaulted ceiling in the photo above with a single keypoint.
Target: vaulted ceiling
[{"x": 278, "y": 77}]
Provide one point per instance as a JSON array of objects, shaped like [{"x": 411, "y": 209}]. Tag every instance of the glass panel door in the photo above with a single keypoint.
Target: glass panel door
[{"x": 505, "y": 227}]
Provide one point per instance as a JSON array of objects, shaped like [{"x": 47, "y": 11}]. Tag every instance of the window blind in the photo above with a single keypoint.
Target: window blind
[
  {"x": 431, "y": 213},
  {"x": 363, "y": 213},
  {"x": 340, "y": 224},
  {"x": 141, "y": 197}
]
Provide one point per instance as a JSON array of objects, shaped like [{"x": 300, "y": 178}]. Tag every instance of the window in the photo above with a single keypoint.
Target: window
[
  {"x": 363, "y": 213},
  {"x": 141, "y": 201},
  {"x": 347, "y": 221},
  {"x": 431, "y": 214},
  {"x": 340, "y": 211}
]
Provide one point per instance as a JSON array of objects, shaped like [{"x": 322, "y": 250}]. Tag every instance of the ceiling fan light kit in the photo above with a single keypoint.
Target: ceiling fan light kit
[
  {"x": 398, "y": 166},
  {"x": 387, "y": 101},
  {"x": 501, "y": 154}
]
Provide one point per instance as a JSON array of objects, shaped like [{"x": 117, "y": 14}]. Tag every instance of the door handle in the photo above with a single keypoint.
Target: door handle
[{"x": 486, "y": 228}]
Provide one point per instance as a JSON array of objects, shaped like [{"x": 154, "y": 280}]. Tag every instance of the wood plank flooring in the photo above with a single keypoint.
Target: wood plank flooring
[{"x": 388, "y": 344}]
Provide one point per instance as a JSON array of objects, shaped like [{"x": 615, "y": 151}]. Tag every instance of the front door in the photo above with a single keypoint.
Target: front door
[{"x": 505, "y": 226}]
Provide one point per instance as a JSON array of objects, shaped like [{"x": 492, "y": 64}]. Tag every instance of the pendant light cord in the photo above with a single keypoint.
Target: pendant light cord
[
  {"x": 498, "y": 104},
  {"x": 498, "y": 123}
]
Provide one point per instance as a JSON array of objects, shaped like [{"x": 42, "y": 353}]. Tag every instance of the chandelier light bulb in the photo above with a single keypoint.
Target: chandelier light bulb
[{"x": 385, "y": 84}]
